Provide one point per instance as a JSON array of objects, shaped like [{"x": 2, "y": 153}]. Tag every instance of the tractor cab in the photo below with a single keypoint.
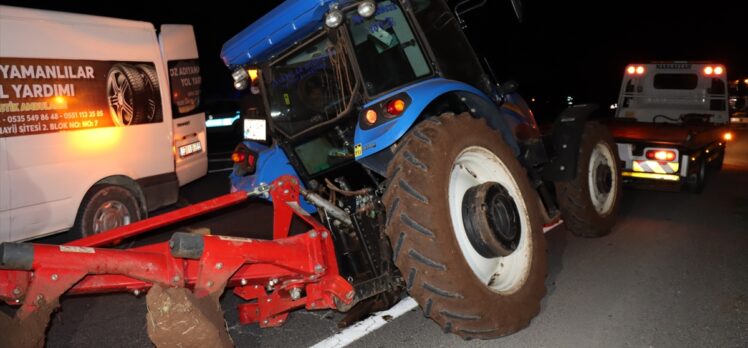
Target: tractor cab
[{"x": 337, "y": 76}]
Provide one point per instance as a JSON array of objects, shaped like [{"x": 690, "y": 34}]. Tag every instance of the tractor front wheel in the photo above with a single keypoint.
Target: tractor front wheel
[{"x": 465, "y": 228}]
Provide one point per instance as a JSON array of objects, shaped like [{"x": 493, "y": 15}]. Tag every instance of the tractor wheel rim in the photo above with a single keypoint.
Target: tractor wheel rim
[
  {"x": 109, "y": 215},
  {"x": 602, "y": 180},
  {"x": 475, "y": 166}
]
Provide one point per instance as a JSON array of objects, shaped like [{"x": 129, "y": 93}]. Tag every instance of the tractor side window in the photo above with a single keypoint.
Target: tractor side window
[
  {"x": 310, "y": 86},
  {"x": 388, "y": 53}
]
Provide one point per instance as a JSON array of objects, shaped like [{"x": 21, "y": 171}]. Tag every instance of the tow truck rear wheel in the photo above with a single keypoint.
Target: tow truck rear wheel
[
  {"x": 697, "y": 179},
  {"x": 589, "y": 202},
  {"x": 465, "y": 230}
]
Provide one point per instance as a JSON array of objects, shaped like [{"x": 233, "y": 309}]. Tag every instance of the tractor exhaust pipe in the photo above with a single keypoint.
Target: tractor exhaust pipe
[{"x": 16, "y": 256}]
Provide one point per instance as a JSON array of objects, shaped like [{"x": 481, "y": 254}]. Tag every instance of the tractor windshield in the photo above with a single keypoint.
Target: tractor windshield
[
  {"x": 386, "y": 48},
  {"x": 310, "y": 86}
]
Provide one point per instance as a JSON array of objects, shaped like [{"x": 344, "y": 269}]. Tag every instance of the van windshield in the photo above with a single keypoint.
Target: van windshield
[
  {"x": 386, "y": 49},
  {"x": 310, "y": 86}
]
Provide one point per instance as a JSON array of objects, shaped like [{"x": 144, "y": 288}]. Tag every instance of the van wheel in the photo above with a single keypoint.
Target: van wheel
[
  {"x": 106, "y": 207},
  {"x": 154, "y": 96},
  {"x": 127, "y": 95}
]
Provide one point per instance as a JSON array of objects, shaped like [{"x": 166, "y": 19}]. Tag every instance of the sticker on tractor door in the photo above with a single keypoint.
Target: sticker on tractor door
[
  {"x": 358, "y": 150},
  {"x": 52, "y": 95}
]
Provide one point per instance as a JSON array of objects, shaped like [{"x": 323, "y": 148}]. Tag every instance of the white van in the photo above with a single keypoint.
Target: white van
[{"x": 98, "y": 121}]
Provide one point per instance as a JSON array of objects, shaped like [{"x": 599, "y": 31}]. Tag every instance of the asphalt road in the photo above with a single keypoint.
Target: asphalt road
[{"x": 672, "y": 274}]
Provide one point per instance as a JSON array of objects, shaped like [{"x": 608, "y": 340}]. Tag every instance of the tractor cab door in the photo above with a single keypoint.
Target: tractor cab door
[
  {"x": 179, "y": 50},
  {"x": 454, "y": 56}
]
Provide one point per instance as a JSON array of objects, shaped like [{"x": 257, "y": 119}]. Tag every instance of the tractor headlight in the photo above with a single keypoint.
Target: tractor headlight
[
  {"x": 240, "y": 77},
  {"x": 367, "y": 9},
  {"x": 334, "y": 18}
]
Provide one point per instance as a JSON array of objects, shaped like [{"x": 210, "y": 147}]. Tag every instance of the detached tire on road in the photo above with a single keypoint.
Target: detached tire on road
[
  {"x": 589, "y": 203},
  {"x": 106, "y": 207},
  {"x": 441, "y": 167}
]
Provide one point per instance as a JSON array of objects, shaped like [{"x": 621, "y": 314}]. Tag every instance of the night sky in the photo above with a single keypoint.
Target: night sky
[{"x": 561, "y": 48}]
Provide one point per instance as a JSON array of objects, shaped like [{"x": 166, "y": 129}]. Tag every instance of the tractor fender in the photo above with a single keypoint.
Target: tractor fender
[
  {"x": 566, "y": 138},
  {"x": 272, "y": 163},
  {"x": 371, "y": 141}
]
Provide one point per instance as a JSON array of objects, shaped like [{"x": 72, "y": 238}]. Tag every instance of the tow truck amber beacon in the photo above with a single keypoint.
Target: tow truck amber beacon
[{"x": 432, "y": 177}]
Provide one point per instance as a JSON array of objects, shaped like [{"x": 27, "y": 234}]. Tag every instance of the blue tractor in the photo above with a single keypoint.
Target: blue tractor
[{"x": 434, "y": 178}]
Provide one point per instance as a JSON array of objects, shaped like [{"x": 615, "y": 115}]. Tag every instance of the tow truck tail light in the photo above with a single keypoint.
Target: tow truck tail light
[
  {"x": 635, "y": 70},
  {"x": 714, "y": 70},
  {"x": 660, "y": 155}
]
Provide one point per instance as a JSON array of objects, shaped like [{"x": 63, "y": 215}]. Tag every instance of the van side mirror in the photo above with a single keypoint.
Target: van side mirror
[{"x": 508, "y": 87}]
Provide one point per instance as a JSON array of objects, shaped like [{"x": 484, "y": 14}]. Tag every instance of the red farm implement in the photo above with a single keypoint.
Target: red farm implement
[{"x": 274, "y": 276}]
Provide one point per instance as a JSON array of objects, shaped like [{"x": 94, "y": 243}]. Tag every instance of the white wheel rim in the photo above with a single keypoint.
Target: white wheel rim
[
  {"x": 474, "y": 166},
  {"x": 602, "y": 201}
]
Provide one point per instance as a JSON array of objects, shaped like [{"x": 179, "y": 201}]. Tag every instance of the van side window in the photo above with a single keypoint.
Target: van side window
[{"x": 185, "y": 82}]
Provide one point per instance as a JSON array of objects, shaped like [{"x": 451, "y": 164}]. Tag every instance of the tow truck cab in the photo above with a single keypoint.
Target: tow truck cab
[{"x": 671, "y": 123}]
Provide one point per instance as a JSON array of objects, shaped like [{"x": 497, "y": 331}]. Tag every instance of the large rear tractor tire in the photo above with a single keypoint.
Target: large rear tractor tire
[
  {"x": 589, "y": 203},
  {"x": 465, "y": 228}
]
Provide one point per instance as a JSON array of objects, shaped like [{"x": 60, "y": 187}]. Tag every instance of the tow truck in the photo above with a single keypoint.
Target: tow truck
[
  {"x": 414, "y": 170},
  {"x": 671, "y": 124}
]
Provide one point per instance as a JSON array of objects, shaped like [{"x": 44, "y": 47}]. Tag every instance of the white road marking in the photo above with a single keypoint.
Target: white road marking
[
  {"x": 377, "y": 320},
  {"x": 546, "y": 229},
  {"x": 221, "y": 170},
  {"x": 365, "y": 327}
]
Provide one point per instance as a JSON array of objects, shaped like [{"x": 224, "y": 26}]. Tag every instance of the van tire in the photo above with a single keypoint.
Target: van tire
[
  {"x": 105, "y": 207},
  {"x": 154, "y": 96},
  {"x": 127, "y": 95}
]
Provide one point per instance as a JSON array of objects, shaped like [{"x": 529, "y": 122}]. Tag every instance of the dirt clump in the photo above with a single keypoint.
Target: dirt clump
[
  {"x": 29, "y": 332},
  {"x": 176, "y": 318}
]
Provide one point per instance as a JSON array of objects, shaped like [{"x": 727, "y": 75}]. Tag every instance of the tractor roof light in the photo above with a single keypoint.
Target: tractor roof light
[
  {"x": 334, "y": 18},
  {"x": 367, "y": 8},
  {"x": 240, "y": 77}
]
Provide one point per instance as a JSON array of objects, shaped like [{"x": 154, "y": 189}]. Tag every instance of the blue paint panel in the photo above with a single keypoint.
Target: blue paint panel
[
  {"x": 276, "y": 31},
  {"x": 271, "y": 164},
  {"x": 422, "y": 94}
]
